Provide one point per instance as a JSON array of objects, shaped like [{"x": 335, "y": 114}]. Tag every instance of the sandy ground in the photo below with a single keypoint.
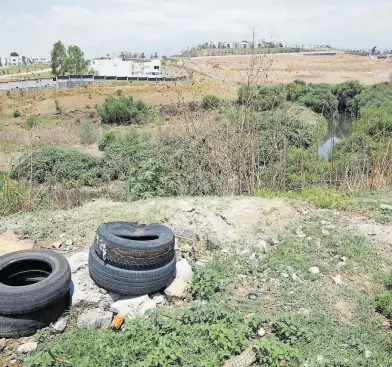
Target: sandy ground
[{"x": 287, "y": 68}]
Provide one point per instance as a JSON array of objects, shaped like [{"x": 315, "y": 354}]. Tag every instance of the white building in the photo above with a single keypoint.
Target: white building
[
  {"x": 7, "y": 61},
  {"x": 40, "y": 60},
  {"x": 117, "y": 66}
]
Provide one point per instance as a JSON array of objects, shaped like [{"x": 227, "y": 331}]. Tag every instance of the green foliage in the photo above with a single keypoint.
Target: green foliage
[
  {"x": 12, "y": 194},
  {"x": 261, "y": 98},
  {"x": 58, "y": 56},
  {"x": 108, "y": 137},
  {"x": 205, "y": 283},
  {"x": 288, "y": 329},
  {"x": 32, "y": 121},
  {"x": 345, "y": 94},
  {"x": 57, "y": 164},
  {"x": 88, "y": 135},
  {"x": 210, "y": 102},
  {"x": 17, "y": 113},
  {"x": 384, "y": 304},
  {"x": 65, "y": 62},
  {"x": 150, "y": 178},
  {"x": 123, "y": 110},
  {"x": 119, "y": 92},
  {"x": 318, "y": 97},
  {"x": 377, "y": 95},
  {"x": 202, "y": 336},
  {"x": 122, "y": 152},
  {"x": 277, "y": 354}
]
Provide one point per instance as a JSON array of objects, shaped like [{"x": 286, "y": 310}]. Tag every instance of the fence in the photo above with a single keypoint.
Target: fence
[{"x": 76, "y": 81}]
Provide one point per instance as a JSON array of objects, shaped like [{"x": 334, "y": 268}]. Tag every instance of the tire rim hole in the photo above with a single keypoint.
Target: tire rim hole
[
  {"x": 25, "y": 272},
  {"x": 140, "y": 238}
]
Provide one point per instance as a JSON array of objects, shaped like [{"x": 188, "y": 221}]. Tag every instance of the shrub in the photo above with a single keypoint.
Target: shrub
[
  {"x": 119, "y": 92},
  {"x": 122, "y": 152},
  {"x": 57, "y": 164},
  {"x": 377, "y": 95},
  {"x": 384, "y": 304},
  {"x": 17, "y": 113},
  {"x": 122, "y": 110},
  {"x": 150, "y": 178},
  {"x": 205, "y": 283},
  {"x": 210, "y": 102},
  {"x": 261, "y": 98},
  {"x": 32, "y": 121},
  {"x": 107, "y": 138},
  {"x": 345, "y": 94},
  {"x": 88, "y": 135}
]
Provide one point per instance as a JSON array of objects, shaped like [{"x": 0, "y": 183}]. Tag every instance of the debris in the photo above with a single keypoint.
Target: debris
[
  {"x": 158, "y": 298},
  {"x": 69, "y": 242},
  {"x": 338, "y": 280},
  {"x": 57, "y": 244},
  {"x": 95, "y": 319},
  {"x": 368, "y": 354},
  {"x": 324, "y": 232},
  {"x": 314, "y": 270},
  {"x": 213, "y": 243},
  {"x": 245, "y": 359},
  {"x": 188, "y": 235},
  {"x": 261, "y": 332},
  {"x": 60, "y": 325},
  {"x": 27, "y": 347},
  {"x": 386, "y": 207},
  {"x": 184, "y": 270},
  {"x": 118, "y": 321},
  {"x": 133, "y": 307},
  {"x": 177, "y": 289}
]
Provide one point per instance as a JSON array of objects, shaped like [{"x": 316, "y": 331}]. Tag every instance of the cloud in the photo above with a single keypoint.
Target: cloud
[{"x": 168, "y": 26}]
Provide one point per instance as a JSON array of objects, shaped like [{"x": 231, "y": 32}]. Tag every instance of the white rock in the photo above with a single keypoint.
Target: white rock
[
  {"x": 368, "y": 354},
  {"x": 95, "y": 319},
  {"x": 57, "y": 244},
  {"x": 284, "y": 275},
  {"x": 261, "y": 332},
  {"x": 177, "y": 289},
  {"x": 60, "y": 325},
  {"x": 324, "y": 232},
  {"x": 200, "y": 263},
  {"x": 338, "y": 280},
  {"x": 295, "y": 277},
  {"x": 176, "y": 245},
  {"x": 262, "y": 245},
  {"x": 314, "y": 270},
  {"x": 78, "y": 261},
  {"x": 28, "y": 347},
  {"x": 69, "y": 242},
  {"x": 184, "y": 270},
  {"x": 133, "y": 306},
  {"x": 386, "y": 207},
  {"x": 158, "y": 298}
]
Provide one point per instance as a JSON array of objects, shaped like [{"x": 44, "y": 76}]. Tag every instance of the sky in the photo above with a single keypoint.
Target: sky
[{"x": 169, "y": 26}]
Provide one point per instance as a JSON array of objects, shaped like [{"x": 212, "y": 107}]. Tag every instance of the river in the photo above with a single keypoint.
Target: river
[{"x": 337, "y": 130}]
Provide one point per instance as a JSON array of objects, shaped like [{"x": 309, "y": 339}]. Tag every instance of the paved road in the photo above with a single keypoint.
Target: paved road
[{"x": 8, "y": 76}]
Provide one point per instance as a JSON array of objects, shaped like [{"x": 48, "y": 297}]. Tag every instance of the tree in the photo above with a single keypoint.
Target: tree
[
  {"x": 75, "y": 62},
  {"x": 14, "y": 54},
  {"x": 156, "y": 55},
  {"x": 58, "y": 57},
  {"x": 374, "y": 50}
]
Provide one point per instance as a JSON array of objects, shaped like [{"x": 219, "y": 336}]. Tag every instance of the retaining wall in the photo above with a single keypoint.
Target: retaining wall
[{"x": 75, "y": 81}]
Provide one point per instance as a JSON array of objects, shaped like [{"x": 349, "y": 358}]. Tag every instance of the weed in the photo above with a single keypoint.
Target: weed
[
  {"x": 17, "y": 113},
  {"x": 57, "y": 105},
  {"x": 384, "y": 304},
  {"x": 119, "y": 92},
  {"x": 288, "y": 329},
  {"x": 210, "y": 102},
  {"x": 88, "y": 135},
  {"x": 8, "y": 93},
  {"x": 31, "y": 121},
  {"x": 206, "y": 283},
  {"x": 108, "y": 137},
  {"x": 277, "y": 354}
]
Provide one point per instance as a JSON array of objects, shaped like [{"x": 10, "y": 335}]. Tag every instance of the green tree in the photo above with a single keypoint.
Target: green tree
[
  {"x": 75, "y": 62},
  {"x": 58, "y": 57}
]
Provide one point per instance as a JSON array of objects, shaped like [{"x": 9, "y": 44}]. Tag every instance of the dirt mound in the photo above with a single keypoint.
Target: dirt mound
[{"x": 242, "y": 220}]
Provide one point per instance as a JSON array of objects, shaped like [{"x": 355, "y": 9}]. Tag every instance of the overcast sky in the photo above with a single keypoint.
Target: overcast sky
[{"x": 168, "y": 26}]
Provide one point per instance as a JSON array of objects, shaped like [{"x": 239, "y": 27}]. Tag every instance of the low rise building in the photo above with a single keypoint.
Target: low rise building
[{"x": 117, "y": 66}]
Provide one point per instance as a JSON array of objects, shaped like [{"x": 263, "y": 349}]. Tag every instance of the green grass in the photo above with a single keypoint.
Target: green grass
[
  {"x": 22, "y": 69},
  {"x": 309, "y": 320}
]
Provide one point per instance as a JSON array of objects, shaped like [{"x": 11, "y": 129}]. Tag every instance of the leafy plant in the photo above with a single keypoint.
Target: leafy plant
[
  {"x": 274, "y": 353},
  {"x": 122, "y": 110},
  {"x": 384, "y": 304},
  {"x": 87, "y": 133},
  {"x": 210, "y": 102},
  {"x": 17, "y": 113},
  {"x": 288, "y": 330},
  {"x": 205, "y": 283},
  {"x": 108, "y": 137},
  {"x": 32, "y": 121},
  {"x": 150, "y": 178}
]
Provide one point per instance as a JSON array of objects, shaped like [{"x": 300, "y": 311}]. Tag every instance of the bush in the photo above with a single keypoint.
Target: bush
[
  {"x": 150, "y": 178},
  {"x": 32, "y": 121},
  {"x": 88, "y": 135},
  {"x": 345, "y": 94},
  {"x": 377, "y": 95},
  {"x": 261, "y": 98},
  {"x": 384, "y": 304},
  {"x": 122, "y": 110},
  {"x": 107, "y": 138},
  {"x": 17, "y": 113},
  {"x": 57, "y": 164},
  {"x": 210, "y": 102}
]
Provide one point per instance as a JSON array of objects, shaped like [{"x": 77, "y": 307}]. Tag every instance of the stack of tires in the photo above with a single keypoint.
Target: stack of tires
[
  {"x": 132, "y": 259},
  {"x": 34, "y": 291}
]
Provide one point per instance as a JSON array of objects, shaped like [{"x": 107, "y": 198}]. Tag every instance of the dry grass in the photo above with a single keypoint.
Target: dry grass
[{"x": 287, "y": 68}]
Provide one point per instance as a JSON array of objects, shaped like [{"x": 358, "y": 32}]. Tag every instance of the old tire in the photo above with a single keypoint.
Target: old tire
[
  {"x": 16, "y": 326},
  {"x": 129, "y": 282},
  {"x": 32, "y": 280},
  {"x": 134, "y": 246}
]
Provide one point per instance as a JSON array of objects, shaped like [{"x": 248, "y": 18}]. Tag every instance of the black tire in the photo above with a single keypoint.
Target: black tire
[
  {"x": 16, "y": 326},
  {"x": 134, "y": 246},
  {"x": 130, "y": 282},
  {"x": 32, "y": 280}
]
